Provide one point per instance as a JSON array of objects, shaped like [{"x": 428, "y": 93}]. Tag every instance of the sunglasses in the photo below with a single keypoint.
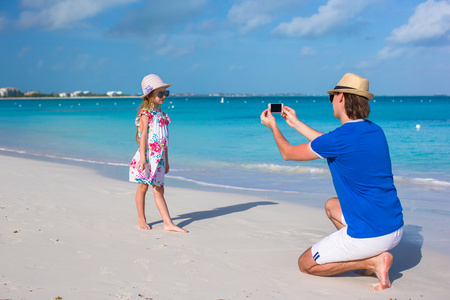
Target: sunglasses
[
  {"x": 162, "y": 94},
  {"x": 332, "y": 97}
]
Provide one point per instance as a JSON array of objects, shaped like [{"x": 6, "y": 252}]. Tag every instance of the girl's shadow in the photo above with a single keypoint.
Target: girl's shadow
[{"x": 216, "y": 212}]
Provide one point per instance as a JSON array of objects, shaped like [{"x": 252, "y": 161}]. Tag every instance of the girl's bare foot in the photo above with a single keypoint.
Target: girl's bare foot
[
  {"x": 173, "y": 227},
  {"x": 143, "y": 225},
  {"x": 383, "y": 263}
]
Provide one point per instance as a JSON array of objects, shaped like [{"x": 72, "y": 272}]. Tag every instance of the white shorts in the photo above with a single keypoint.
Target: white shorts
[{"x": 339, "y": 246}]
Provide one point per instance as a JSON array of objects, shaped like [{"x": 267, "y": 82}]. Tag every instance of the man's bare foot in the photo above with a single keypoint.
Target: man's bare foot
[
  {"x": 383, "y": 263},
  {"x": 144, "y": 225},
  {"x": 173, "y": 227}
]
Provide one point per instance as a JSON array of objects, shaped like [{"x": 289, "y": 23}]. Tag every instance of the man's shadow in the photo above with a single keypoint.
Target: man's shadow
[
  {"x": 216, "y": 212},
  {"x": 408, "y": 252}
]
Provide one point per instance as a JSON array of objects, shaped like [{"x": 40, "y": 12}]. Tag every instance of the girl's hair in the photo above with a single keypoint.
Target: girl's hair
[
  {"x": 356, "y": 107},
  {"x": 146, "y": 103}
]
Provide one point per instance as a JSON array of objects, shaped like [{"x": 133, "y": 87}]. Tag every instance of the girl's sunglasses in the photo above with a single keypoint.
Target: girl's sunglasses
[{"x": 162, "y": 94}]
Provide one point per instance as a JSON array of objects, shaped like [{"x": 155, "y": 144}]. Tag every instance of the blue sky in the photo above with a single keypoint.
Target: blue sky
[{"x": 241, "y": 46}]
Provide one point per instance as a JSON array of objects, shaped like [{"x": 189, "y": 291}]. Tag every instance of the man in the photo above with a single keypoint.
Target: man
[{"x": 367, "y": 212}]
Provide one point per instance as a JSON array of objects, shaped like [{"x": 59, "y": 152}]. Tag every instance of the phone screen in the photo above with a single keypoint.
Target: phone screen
[{"x": 276, "y": 107}]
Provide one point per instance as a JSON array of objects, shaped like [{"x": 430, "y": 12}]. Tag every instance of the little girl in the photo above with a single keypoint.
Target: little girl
[{"x": 151, "y": 161}]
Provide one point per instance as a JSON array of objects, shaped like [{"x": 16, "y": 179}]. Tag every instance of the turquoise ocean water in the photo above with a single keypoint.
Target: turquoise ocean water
[{"x": 219, "y": 143}]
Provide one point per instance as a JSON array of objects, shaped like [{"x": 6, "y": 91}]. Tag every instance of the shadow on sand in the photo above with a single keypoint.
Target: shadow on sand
[
  {"x": 408, "y": 252},
  {"x": 216, "y": 212}
]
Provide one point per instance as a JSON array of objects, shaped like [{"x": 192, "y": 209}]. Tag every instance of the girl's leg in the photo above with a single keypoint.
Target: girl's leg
[
  {"x": 140, "y": 205},
  {"x": 163, "y": 210}
]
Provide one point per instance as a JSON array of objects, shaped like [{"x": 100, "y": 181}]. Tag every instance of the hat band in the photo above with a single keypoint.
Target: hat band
[{"x": 340, "y": 87}]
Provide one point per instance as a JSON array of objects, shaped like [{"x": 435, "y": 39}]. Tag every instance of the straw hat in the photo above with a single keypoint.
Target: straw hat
[
  {"x": 151, "y": 82},
  {"x": 353, "y": 84}
]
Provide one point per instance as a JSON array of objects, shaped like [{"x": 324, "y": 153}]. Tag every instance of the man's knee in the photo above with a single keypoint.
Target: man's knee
[
  {"x": 306, "y": 261},
  {"x": 301, "y": 266},
  {"x": 332, "y": 207}
]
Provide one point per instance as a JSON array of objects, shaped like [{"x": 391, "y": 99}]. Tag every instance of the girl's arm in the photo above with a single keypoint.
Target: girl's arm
[
  {"x": 143, "y": 125},
  {"x": 167, "y": 160}
]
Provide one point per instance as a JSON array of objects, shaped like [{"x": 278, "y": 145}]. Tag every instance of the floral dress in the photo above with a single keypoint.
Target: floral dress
[{"x": 158, "y": 138}]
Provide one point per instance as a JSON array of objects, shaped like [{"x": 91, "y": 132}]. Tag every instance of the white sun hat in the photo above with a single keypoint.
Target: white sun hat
[{"x": 152, "y": 82}]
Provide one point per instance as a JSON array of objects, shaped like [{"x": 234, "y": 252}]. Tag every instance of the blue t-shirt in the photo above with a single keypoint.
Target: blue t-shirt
[{"x": 359, "y": 161}]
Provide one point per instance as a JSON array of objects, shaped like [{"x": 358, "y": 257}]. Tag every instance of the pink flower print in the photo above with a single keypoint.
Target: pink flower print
[
  {"x": 164, "y": 121},
  {"x": 155, "y": 147},
  {"x": 164, "y": 142},
  {"x": 133, "y": 163},
  {"x": 148, "y": 114}
]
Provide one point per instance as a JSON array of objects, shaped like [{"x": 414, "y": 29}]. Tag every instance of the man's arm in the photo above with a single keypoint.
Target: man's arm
[
  {"x": 300, "y": 152},
  {"x": 291, "y": 119}
]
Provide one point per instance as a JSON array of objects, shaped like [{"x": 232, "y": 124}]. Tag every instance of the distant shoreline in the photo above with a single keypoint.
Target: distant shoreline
[
  {"x": 200, "y": 95},
  {"x": 65, "y": 98}
]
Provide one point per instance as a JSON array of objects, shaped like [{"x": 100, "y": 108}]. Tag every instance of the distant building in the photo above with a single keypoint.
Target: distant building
[
  {"x": 81, "y": 94},
  {"x": 9, "y": 91},
  {"x": 63, "y": 94},
  {"x": 76, "y": 94},
  {"x": 32, "y": 93},
  {"x": 114, "y": 93}
]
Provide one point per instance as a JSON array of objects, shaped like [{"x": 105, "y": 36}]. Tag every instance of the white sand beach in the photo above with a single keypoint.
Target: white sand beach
[{"x": 68, "y": 232}]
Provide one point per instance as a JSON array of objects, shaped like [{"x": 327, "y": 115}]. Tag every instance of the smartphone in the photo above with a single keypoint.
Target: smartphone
[{"x": 276, "y": 107}]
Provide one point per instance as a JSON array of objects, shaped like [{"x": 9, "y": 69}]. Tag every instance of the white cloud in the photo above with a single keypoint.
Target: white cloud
[
  {"x": 40, "y": 63},
  {"x": 159, "y": 23},
  {"x": 163, "y": 46},
  {"x": 236, "y": 68},
  {"x": 82, "y": 62},
  {"x": 307, "y": 51},
  {"x": 330, "y": 17},
  {"x": 3, "y": 22},
  {"x": 206, "y": 26},
  {"x": 158, "y": 17},
  {"x": 248, "y": 15},
  {"x": 57, "y": 14},
  {"x": 23, "y": 51},
  {"x": 388, "y": 52},
  {"x": 58, "y": 66},
  {"x": 195, "y": 67},
  {"x": 430, "y": 24},
  {"x": 173, "y": 51}
]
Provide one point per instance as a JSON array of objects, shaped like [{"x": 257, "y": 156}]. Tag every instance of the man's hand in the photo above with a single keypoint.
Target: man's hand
[
  {"x": 290, "y": 116},
  {"x": 268, "y": 119}
]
